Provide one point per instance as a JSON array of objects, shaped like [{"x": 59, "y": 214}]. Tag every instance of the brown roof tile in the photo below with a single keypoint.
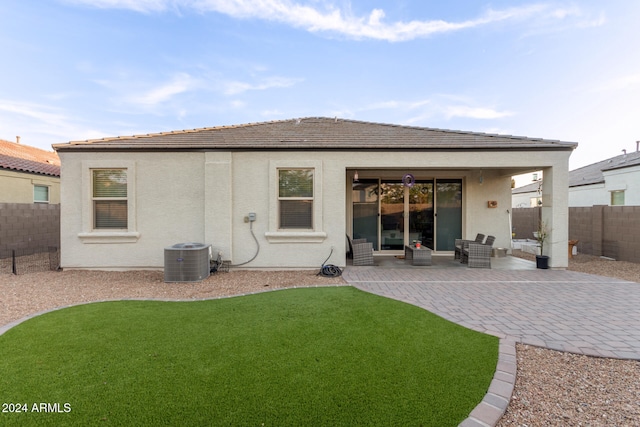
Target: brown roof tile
[
  {"x": 24, "y": 158},
  {"x": 315, "y": 133}
]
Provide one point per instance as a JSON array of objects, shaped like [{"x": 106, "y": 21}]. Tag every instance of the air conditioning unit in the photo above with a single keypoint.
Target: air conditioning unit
[{"x": 187, "y": 262}]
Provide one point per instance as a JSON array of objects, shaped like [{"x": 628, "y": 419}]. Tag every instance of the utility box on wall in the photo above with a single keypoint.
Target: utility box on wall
[{"x": 187, "y": 262}]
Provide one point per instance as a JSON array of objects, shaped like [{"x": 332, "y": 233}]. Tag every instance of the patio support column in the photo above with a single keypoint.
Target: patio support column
[{"x": 555, "y": 214}]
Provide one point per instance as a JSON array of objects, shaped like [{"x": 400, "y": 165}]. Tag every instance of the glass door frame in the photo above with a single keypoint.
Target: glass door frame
[{"x": 406, "y": 216}]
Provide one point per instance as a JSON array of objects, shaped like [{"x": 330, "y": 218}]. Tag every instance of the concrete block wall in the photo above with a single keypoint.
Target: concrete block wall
[
  {"x": 610, "y": 231},
  {"x": 524, "y": 222},
  {"x": 29, "y": 226}
]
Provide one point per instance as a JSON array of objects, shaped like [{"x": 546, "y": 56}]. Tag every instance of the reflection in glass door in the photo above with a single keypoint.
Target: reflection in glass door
[
  {"x": 365, "y": 211},
  {"x": 449, "y": 213},
  {"x": 421, "y": 213},
  {"x": 391, "y": 216}
]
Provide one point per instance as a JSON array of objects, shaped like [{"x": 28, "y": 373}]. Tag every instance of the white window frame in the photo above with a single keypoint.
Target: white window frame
[
  {"x": 277, "y": 235},
  {"x": 88, "y": 233},
  {"x": 48, "y": 187},
  {"x": 295, "y": 198},
  {"x": 617, "y": 192}
]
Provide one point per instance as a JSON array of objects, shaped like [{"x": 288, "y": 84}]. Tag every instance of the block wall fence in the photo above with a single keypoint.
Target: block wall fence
[
  {"x": 29, "y": 226},
  {"x": 610, "y": 231}
]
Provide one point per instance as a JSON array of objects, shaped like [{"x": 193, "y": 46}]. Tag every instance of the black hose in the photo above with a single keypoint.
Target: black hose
[{"x": 329, "y": 270}]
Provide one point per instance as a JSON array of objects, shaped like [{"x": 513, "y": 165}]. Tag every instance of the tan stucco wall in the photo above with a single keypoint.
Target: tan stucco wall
[
  {"x": 204, "y": 197},
  {"x": 17, "y": 187}
]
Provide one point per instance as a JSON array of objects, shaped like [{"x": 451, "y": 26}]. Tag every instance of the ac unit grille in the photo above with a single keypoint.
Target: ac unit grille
[{"x": 187, "y": 262}]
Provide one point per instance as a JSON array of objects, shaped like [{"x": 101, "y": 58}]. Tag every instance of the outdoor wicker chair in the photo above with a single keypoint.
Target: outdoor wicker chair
[
  {"x": 459, "y": 245},
  {"x": 478, "y": 255},
  {"x": 362, "y": 252}
]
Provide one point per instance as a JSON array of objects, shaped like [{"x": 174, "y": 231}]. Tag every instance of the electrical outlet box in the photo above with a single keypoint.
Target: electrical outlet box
[{"x": 252, "y": 216}]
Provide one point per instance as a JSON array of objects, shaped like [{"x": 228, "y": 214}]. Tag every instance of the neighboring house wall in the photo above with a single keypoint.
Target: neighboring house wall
[
  {"x": 627, "y": 180},
  {"x": 589, "y": 195},
  {"x": 177, "y": 197},
  {"x": 523, "y": 200},
  {"x": 29, "y": 226},
  {"x": 17, "y": 187}
]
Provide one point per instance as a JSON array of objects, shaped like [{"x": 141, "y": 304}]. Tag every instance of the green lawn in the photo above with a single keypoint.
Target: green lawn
[{"x": 299, "y": 357}]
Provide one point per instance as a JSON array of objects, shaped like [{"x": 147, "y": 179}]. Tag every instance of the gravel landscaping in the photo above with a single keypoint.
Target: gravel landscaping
[
  {"x": 552, "y": 388},
  {"x": 560, "y": 389}
]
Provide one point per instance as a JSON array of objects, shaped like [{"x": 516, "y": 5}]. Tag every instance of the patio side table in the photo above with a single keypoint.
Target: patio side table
[{"x": 417, "y": 256}]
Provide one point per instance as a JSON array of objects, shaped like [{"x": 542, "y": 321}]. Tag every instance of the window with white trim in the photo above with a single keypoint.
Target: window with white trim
[
  {"x": 40, "y": 193},
  {"x": 109, "y": 199},
  {"x": 617, "y": 198},
  {"x": 295, "y": 199}
]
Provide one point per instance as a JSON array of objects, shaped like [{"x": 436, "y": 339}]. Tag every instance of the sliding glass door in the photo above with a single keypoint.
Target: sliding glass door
[
  {"x": 365, "y": 211},
  {"x": 421, "y": 213},
  {"x": 449, "y": 213},
  {"x": 391, "y": 215}
]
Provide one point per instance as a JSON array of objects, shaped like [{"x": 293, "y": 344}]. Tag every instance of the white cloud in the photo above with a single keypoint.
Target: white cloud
[
  {"x": 440, "y": 106},
  {"x": 330, "y": 18},
  {"x": 475, "y": 112},
  {"x": 40, "y": 113},
  {"x": 137, "y": 5},
  {"x": 40, "y": 125},
  {"x": 236, "y": 87},
  {"x": 180, "y": 83}
]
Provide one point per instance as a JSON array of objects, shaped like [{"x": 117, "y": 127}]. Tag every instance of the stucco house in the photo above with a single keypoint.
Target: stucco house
[
  {"x": 610, "y": 182},
  {"x": 28, "y": 174},
  {"x": 285, "y": 194}
]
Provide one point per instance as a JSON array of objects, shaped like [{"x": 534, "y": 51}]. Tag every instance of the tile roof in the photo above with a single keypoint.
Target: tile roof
[
  {"x": 23, "y": 158},
  {"x": 314, "y": 133}
]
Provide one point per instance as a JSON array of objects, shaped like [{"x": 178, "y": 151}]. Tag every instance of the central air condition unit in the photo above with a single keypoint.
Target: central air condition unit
[{"x": 187, "y": 262}]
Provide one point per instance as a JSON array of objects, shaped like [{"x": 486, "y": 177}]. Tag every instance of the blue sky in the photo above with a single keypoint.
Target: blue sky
[{"x": 79, "y": 69}]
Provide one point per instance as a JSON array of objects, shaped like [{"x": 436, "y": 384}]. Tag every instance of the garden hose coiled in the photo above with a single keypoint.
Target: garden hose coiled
[{"x": 329, "y": 270}]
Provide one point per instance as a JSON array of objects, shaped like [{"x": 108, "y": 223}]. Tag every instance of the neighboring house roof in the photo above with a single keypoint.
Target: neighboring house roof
[
  {"x": 593, "y": 174},
  {"x": 590, "y": 174},
  {"x": 529, "y": 188},
  {"x": 23, "y": 158},
  {"x": 315, "y": 133}
]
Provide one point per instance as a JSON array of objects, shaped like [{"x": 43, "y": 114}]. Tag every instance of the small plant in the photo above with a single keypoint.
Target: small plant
[{"x": 542, "y": 234}]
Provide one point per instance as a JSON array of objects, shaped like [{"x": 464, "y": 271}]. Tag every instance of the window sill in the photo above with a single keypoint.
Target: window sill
[
  {"x": 109, "y": 237},
  {"x": 295, "y": 236}
]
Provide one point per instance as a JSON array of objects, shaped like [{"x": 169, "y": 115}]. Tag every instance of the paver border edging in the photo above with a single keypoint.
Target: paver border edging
[{"x": 494, "y": 404}]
